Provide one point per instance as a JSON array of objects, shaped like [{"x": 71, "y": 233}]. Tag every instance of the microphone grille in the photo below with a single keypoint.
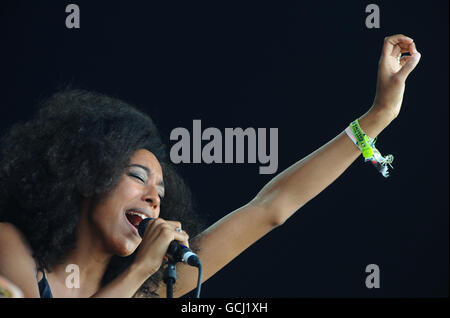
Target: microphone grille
[{"x": 142, "y": 225}]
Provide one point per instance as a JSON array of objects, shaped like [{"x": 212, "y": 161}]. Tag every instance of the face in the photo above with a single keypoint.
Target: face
[{"x": 138, "y": 195}]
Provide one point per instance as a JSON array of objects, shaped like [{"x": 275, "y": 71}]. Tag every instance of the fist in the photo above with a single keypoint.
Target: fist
[
  {"x": 393, "y": 70},
  {"x": 159, "y": 233}
]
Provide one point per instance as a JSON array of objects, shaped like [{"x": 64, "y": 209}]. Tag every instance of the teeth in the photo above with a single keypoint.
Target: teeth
[{"x": 142, "y": 216}]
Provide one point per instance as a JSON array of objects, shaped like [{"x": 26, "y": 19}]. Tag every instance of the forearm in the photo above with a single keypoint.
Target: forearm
[
  {"x": 125, "y": 285},
  {"x": 301, "y": 182}
]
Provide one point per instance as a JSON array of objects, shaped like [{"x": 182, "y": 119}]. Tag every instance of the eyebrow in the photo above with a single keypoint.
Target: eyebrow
[{"x": 149, "y": 172}]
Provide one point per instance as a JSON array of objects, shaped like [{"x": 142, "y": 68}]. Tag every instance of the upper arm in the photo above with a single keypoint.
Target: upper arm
[
  {"x": 233, "y": 234},
  {"x": 16, "y": 260}
]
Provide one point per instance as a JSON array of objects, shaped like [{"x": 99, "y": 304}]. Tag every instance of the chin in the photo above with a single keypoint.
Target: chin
[
  {"x": 125, "y": 247},
  {"x": 125, "y": 253}
]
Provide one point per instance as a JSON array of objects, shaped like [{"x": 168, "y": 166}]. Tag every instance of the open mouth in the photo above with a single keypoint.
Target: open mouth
[{"x": 135, "y": 217}]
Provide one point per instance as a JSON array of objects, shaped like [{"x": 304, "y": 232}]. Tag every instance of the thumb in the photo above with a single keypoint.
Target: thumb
[{"x": 409, "y": 66}]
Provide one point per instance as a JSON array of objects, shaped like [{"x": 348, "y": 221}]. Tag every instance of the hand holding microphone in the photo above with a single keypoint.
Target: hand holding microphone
[{"x": 163, "y": 238}]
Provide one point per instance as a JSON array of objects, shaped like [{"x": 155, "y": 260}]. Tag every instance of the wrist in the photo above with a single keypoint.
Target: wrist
[
  {"x": 383, "y": 112},
  {"x": 142, "y": 269},
  {"x": 126, "y": 284},
  {"x": 375, "y": 121}
]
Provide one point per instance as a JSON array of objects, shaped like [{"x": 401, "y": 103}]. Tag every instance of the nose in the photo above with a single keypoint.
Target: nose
[{"x": 152, "y": 198}]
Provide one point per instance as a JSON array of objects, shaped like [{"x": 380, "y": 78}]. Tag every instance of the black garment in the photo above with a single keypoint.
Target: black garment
[{"x": 44, "y": 288}]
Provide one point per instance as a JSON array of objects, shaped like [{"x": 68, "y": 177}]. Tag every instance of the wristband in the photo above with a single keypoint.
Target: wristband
[{"x": 367, "y": 147}]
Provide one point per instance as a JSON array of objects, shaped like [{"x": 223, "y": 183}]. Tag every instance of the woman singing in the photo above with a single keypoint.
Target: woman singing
[{"x": 76, "y": 180}]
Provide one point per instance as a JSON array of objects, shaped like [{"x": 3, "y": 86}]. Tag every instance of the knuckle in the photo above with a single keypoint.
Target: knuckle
[
  {"x": 166, "y": 232},
  {"x": 160, "y": 222},
  {"x": 165, "y": 228},
  {"x": 177, "y": 223}
]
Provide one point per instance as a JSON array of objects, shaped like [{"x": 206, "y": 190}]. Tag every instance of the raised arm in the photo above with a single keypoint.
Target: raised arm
[{"x": 295, "y": 186}]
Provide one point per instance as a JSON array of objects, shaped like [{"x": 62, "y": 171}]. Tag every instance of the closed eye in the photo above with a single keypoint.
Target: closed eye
[{"x": 137, "y": 177}]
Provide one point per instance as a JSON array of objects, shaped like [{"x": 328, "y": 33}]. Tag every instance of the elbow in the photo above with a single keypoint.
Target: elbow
[
  {"x": 273, "y": 214},
  {"x": 277, "y": 220}
]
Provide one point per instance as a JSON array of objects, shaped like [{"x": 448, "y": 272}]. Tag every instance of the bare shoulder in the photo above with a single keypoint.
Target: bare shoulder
[
  {"x": 12, "y": 237},
  {"x": 16, "y": 259},
  {"x": 13, "y": 246}
]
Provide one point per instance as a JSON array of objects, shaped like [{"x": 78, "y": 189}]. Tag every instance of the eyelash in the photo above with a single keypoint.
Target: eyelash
[{"x": 137, "y": 177}]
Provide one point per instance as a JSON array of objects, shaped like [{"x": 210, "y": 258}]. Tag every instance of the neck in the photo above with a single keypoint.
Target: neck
[{"x": 85, "y": 264}]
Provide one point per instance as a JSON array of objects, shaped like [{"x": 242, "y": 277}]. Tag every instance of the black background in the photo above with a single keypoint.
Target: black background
[{"x": 307, "y": 68}]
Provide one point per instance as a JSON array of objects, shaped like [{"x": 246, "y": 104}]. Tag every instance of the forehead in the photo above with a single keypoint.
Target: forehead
[{"x": 145, "y": 158}]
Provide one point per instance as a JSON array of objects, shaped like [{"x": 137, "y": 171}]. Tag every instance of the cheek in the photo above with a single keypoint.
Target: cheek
[
  {"x": 126, "y": 191},
  {"x": 157, "y": 212},
  {"x": 110, "y": 211},
  {"x": 106, "y": 216},
  {"x": 111, "y": 228},
  {"x": 104, "y": 220}
]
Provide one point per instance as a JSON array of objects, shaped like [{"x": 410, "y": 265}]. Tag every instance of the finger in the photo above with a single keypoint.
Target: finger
[
  {"x": 404, "y": 48},
  {"x": 176, "y": 225},
  {"x": 181, "y": 236},
  {"x": 155, "y": 228},
  {"x": 404, "y": 59},
  {"x": 152, "y": 224},
  {"x": 412, "y": 48},
  {"x": 409, "y": 64},
  {"x": 185, "y": 241},
  {"x": 173, "y": 227},
  {"x": 391, "y": 42},
  {"x": 152, "y": 230},
  {"x": 170, "y": 235},
  {"x": 396, "y": 51}
]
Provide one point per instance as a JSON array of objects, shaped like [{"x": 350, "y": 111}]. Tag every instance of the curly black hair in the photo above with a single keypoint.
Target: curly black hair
[{"x": 79, "y": 143}]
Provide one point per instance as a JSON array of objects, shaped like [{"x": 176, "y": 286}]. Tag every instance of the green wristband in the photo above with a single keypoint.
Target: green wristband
[{"x": 362, "y": 139}]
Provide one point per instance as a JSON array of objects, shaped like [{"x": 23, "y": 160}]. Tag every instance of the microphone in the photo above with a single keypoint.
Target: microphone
[{"x": 176, "y": 252}]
